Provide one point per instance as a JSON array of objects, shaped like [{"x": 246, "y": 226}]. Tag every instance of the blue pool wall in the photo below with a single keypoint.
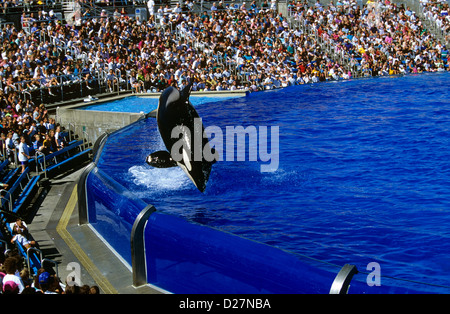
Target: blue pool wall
[{"x": 185, "y": 257}]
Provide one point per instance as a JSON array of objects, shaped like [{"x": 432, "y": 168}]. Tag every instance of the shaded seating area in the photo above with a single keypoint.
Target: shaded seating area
[{"x": 20, "y": 192}]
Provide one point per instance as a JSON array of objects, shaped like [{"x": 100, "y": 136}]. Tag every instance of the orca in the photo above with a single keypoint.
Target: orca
[{"x": 175, "y": 112}]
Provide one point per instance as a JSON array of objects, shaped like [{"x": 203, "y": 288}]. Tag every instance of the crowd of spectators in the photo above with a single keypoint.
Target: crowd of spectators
[
  {"x": 15, "y": 279},
  {"x": 246, "y": 48},
  {"x": 15, "y": 276},
  {"x": 381, "y": 38},
  {"x": 437, "y": 12},
  {"x": 223, "y": 48}
]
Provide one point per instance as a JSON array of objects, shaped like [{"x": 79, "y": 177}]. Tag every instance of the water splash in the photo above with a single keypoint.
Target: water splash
[{"x": 159, "y": 179}]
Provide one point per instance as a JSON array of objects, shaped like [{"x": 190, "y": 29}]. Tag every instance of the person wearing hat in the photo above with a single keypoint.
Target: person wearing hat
[
  {"x": 10, "y": 287},
  {"x": 11, "y": 281},
  {"x": 49, "y": 283}
]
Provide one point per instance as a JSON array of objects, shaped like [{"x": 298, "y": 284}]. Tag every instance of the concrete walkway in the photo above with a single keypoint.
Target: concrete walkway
[{"x": 76, "y": 249}]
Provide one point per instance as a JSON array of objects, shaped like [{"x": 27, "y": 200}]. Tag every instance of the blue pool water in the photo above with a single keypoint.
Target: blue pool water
[
  {"x": 136, "y": 104},
  {"x": 363, "y": 174}
]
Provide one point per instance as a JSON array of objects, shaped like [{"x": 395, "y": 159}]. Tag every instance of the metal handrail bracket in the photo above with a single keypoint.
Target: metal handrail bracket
[
  {"x": 342, "y": 281},
  {"x": 28, "y": 256},
  {"x": 52, "y": 262},
  {"x": 138, "y": 262}
]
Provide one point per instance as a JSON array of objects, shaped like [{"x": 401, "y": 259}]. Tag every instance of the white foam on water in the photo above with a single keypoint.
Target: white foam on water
[{"x": 159, "y": 179}]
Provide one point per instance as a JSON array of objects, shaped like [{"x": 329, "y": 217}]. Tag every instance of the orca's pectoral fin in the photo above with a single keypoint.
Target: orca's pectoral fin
[{"x": 161, "y": 159}]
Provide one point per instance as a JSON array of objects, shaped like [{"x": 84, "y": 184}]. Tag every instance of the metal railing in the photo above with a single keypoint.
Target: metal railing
[
  {"x": 138, "y": 259},
  {"x": 86, "y": 142},
  {"x": 10, "y": 201},
  {"x": 5, "y": 245},
  {"x": 6, "y": 153},
  {"x": 71, "y": 127},
  {"x": 31, "y": 249},
  {"x": 66, "y": 86},
  {"x": 44, "y": 163},
  {"x": 55, "y": 264}
]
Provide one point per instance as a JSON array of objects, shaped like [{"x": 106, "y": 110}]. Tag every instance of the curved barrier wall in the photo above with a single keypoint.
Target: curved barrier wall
[
  {"x": 184, "y": 257},
  {"x": 111, "y": 212}
]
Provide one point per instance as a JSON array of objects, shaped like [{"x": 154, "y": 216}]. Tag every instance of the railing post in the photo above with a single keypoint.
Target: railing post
[
  {"x": 83, "y": 214},
  {"x": 44, "y": 166},
  {"x": 28, "y": 256},
  {"x": 52, "y": 262},
  {"x": 70, "y": 129},
  {"x": 86, "y": 139},
  {"x": 342, "y": 281},
  {"x": 5, "y": 243},
  {"x": 118, "y": 76},
  {"x": 9, "y": 200},
  {"x": 138, "y": 263},
  {"x": 16, "y": 161}
]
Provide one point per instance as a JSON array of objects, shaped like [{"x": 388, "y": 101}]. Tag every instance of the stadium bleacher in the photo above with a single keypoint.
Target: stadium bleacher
[{"x": 16, "y": 200}]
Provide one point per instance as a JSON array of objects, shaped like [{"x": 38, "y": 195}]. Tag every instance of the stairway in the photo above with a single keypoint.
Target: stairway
[
  {"x": 416, "y": 7},
  {"x": 68, "y": 9}
]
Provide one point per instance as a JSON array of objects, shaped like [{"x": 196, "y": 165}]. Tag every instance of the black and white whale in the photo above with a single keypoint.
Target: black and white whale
[{"x": 183, "y": 135}]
